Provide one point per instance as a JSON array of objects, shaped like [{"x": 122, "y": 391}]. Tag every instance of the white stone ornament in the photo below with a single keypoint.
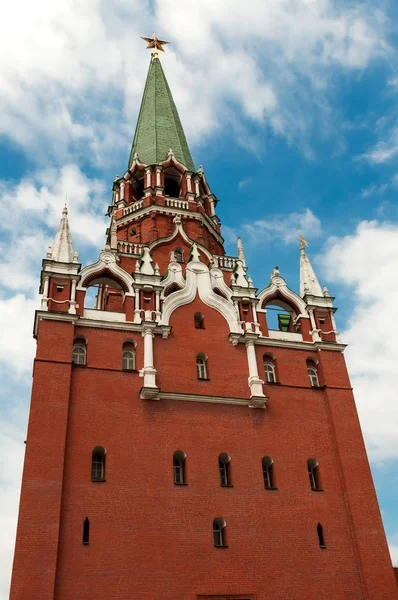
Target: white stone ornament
[
  {"x": 146, "y": 267},
  {"x": 240, "y": 275}
]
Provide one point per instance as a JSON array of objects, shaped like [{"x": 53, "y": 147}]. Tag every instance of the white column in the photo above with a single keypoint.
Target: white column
[
  {"x": 255, "y": 383},
  {"x": 158, "y": 170},
  {"x": 189, "y": 183},
  {"x": 148, "y": 176},
  {"x": 336, "y": 333},
  {"x": 197, "y": 186},
  {"x": 149, "y": 390},
  {"x": 122, "y": 191},
  {"x": 315, "y": 332},
  {"x": 212, "y": 211},
  {"x": 157, "y": 303},
  {"x": 72, "y": 304},
  {"x": 137, "y": 317},
  {"x": 44, "y": 300}
]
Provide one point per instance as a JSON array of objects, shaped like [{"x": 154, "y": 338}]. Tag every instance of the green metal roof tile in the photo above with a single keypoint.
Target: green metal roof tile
[{"x": 159, "y": 127}]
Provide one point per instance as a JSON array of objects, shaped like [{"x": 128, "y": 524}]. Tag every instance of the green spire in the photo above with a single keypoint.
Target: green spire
[{"x": 159, "y": 127}]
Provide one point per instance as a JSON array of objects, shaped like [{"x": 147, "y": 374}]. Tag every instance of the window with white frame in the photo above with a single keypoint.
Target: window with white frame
[
  {"x": 269, "y": 371},
  {"x": 79, "y": 353},
  {"x": 313, "y": 374},
  {"x": 201, "y": 366},
  {"x": 128, "y": 359}
]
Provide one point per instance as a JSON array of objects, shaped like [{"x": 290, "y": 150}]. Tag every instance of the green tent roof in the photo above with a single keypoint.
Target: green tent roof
[{"x": 159, "y": 127}]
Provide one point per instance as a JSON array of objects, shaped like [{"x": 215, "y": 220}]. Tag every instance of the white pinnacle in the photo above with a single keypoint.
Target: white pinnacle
[
  {"x": 62, "y": 250},
  {"x": 309, "y": 283},
  {"x": 241, "y": 253}
]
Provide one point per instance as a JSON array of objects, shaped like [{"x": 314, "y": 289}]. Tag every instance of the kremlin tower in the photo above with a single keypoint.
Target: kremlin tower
[{"x": 180, "y": 445}]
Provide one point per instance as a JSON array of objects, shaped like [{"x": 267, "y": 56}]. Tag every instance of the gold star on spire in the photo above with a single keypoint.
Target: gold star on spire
[{"x": 155, "y": 43}]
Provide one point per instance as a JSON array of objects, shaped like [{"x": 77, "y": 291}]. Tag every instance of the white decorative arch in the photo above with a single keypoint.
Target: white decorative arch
[
  {"x": 106, "y": 266},
  {"x": 198, "y": 280},
  {"x": 174, "y": 276},
  {"x": 278, "y": 290},
  {"x": 179, "y": 229}
]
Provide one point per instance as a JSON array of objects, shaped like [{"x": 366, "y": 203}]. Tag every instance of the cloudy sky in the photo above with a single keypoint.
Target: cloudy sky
[{"x": 291, "y": 107}]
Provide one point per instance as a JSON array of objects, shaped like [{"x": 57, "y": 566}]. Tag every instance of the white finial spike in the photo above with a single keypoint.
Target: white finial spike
[
  {"x": 195, "y": 256},
  {"x": 309, "y": 283},
  {"x": 146, "y": 267},
  {"x": 326, "y": 291},
  {"x": 62, "y": 247},
  {"x": 137, "y": 266},
  {"x": 241, "y": 253},
  {"x": 240, "y": 274},
  {"x": 275, "y": 272},
  {"x": 157, "y": 272}
]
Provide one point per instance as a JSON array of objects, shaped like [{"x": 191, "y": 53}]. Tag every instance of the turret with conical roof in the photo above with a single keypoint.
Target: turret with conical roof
[{"x": 159, "y": 127}]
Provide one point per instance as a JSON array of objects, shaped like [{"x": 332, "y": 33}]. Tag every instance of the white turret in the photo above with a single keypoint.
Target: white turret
[
  {"x": 309, "y": 284},
  {"x": 61, "y": 250}
]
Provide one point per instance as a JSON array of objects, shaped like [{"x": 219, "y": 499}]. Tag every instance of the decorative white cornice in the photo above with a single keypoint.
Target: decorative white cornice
[
  {"x": 278, "y": 289},
  {"x": 179, "y": 229},
  {"x": 203, "y": 398},
  {"x": 198, "y": 280},
  {"x": 198, "y": 216},
  {"x": 106, "y": 266},
  {"x": 272, "y": 342}
]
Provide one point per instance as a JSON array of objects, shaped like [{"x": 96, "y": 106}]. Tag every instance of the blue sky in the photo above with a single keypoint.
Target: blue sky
[{"x": 290, "y": 106}]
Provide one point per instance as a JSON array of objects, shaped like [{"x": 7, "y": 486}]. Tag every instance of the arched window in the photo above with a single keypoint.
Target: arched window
[
  {"x": 199, "y": 320},
  {"x": 179, "y": 255},
  {"x": 86, "y": 531},
  {"x": 219, "y": 533},
  {"x": 224, "y": 462},
  {"x": 321, "y": 538},
  {"x": 201, "y": 366},
  {"x": 179, "y": 467},
  {"x": 171, "y": 187},
  {"x": 269, "y": 371},
  {"x": 128, "y": 356},
  {"x": 268, "y": 472},
  {"x": 79, "y": 353},
  {"x": 98, "y": 464},
  {"x": 312, "y": 373},
  {"x": 313, "y": 473}
]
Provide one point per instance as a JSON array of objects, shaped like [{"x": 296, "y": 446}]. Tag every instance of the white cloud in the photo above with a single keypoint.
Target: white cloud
[
  {"x": 285, "y": 227},
  {"x": 367, "y": 263},
  {"x": 76, "y": 88},
  {"x": 384, "y": 151},
  {"x": 394, "y": 554}
]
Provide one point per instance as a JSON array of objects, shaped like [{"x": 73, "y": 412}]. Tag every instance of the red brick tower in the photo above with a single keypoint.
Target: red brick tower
[{"x": 181, "y": 446}]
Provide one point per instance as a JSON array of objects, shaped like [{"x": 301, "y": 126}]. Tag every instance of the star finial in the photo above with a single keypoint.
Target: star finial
[{"x": 155, "y": 43}]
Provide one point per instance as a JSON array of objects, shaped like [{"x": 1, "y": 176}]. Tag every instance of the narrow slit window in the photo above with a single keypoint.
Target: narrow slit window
[
  {"x": 313, "y": 474},
  {"x": 321, "y": 537},
  {"x": 179, "y": 255},
  {"x": 179, "y": 467},
  {"x": 268, "y": 472},
  {"x": 199, "y": 320},
  {"x": 98, "y": 464},
  {"x": 224, "y": 462},
  {"x": 86, "y": 532},
  {"x": 219, "y": 533}
]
